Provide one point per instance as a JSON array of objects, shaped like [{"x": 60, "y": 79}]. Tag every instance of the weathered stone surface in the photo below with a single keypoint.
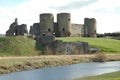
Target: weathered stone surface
[
  {"x": 9, "y": 33},
  {"x": 77, "y": 30},
  {"x": 63, "y": 27},
  {"x": 64, "y": 24},
  {"x": 90, "y": 27},
  {"x": 46, "y": 39},
  {"x": 60, "y": 47},
  {"x": 70, "y": 47},
  {"x": 17, "y": 30},
  {"x": 93, "y": 50}
]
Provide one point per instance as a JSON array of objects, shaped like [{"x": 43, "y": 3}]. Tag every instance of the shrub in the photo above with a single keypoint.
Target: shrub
[{"x": 100, "y": 57}]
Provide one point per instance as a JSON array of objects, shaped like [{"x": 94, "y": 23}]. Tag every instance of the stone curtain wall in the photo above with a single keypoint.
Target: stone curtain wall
[
  {"x": 77, "y": 30},
  {"x": 60, "y": 47}
]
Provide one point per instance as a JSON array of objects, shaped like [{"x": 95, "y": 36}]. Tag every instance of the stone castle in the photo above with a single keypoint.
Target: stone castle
[
  {"x": 46, "y": 30},
  {"x": 17, "y": 30},
  {"x": 63, "y": 26}
]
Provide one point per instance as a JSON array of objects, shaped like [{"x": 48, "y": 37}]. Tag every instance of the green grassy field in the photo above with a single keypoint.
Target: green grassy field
[
  {"x": 22, "y": 46},
  {"x": 17, "y": 46},
  {"x": 105, "y": 45},
  {"x": 108, "y": 76}
]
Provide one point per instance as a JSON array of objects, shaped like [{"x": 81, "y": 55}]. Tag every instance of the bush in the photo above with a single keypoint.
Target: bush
[{"x": 100, "y": 57}]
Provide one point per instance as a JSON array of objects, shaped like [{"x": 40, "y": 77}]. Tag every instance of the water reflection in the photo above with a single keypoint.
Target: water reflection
[{"x": 64, "y": 72}]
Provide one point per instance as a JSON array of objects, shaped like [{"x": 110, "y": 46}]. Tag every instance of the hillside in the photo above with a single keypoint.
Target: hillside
[
  {"x": 20, "y": 46},
  {"x": 17, "y": 46},
  {"x": 105, "y": 45}
]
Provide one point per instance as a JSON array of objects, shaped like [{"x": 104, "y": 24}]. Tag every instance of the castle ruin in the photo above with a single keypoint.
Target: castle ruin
[
  {"x": 46, "y": 30},
  {"x": 63, "y": 27},
  {"x": 17, "y": 30}
]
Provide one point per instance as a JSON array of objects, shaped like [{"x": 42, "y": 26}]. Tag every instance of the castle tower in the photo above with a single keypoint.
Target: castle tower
[
  {"x": 24, "y": 28},
  {"x": 64, "y": 24},
  {"x": 16, "y": 21},
  {"x": 36, "y": 29},
  {"x": 21, "y": 30},
  {"x": 90, "y": 27},
  {"x": 46, "y": 24}
]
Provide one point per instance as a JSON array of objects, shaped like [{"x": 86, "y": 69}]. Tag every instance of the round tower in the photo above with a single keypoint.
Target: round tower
[
  {"x": 64, "y": 24},
  {"x": 90, "y": 27},
  {"x": 46, "y": 24},
  {"x": 86, "y": 27}
]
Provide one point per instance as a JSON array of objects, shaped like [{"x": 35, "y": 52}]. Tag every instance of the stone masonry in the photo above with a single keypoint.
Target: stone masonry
[
  {"x": 46, "y": 30},
  {"x": 63, "y": 27},
  {"x": 17, "y": 30},
  {"x": 60, "y": 47},
  {"x": 45, "y": 39}
]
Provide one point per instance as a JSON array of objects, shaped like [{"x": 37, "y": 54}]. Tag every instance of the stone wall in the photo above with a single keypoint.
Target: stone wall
[
  {"x": 77, "y": 30},
  {"x": 34, "y": 30},
  {"x": 60, "y": 47},
  {"x": 17, "y": 30}
]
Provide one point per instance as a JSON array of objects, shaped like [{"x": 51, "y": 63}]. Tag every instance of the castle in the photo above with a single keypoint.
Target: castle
[
  {"x": 17, "y": 30},
  {"x": 62, "y": 28},
  {"x": 46, "y": 30}
]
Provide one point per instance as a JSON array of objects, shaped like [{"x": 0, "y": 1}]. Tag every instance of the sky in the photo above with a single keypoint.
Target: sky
[{"x": 106, "y": 12}]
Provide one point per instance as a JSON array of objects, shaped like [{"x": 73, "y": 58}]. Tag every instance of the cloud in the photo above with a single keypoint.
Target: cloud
[
  {"x": 105, "y": 6},
  {"x": 76, "y": 4},
  {"x": 105, "y": 11},
  {"x": 27, "y": 12}
]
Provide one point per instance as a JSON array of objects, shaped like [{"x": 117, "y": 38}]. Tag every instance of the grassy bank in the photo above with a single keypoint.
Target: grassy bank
[
  {"x": 13, "y": 64},
  {"x": 22, "y": 46},
  {"x": 108, "y": 76},
  {"x": 17, "y": 46},
  {"x": 105, "y": 45}
]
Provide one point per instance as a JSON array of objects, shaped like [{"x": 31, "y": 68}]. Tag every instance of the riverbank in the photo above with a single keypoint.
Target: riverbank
[
  {"x": 14, "y": 64},
  {"x": 108, "y": 76}
]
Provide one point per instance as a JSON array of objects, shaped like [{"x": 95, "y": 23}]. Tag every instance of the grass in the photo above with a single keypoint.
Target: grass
[
  {"x": 108, "y": 76},
  {"x": 22, "y": 46},
  {"x": 103, "y": 44},
  {"x": 13, "y": 64},
  {"x": 17, "y": 46}
]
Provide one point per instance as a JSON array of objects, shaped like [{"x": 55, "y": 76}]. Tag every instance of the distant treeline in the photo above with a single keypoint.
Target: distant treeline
[{"x": 114, "y": 34}]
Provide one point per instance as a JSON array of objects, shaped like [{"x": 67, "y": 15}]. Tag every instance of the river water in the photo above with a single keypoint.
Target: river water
[{"x": 64, "y": 72}]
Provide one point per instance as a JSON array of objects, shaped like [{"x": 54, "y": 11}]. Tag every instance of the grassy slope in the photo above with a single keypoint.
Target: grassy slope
[
  {"x": 109, "y": 76},
  {"x": 105, "y": 45},
  {"x": 17, "y": 46}
]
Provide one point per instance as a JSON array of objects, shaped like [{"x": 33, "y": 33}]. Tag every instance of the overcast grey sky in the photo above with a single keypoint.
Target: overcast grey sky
[{"x": 106, "y": 12}]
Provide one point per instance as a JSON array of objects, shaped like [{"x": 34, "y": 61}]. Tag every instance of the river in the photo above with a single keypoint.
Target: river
[{"x": 64, "y": 72}]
